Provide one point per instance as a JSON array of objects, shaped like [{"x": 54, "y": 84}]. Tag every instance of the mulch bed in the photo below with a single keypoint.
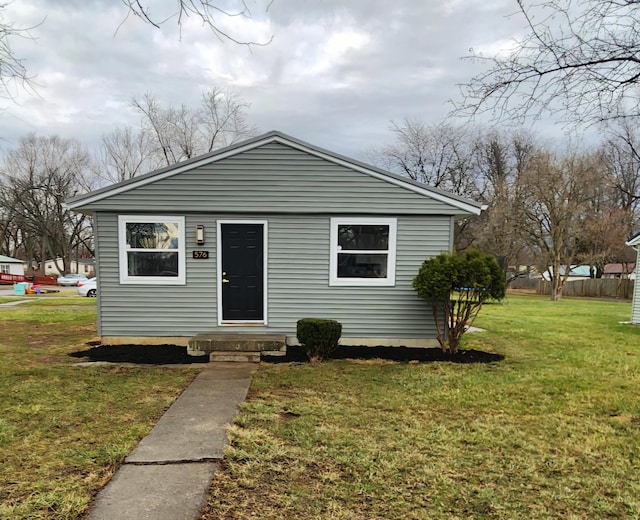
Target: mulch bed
[
  {"x": 142, "y": 354},
  {"x": 174, "y": 355},
  {"x": 422, "y": 355}
]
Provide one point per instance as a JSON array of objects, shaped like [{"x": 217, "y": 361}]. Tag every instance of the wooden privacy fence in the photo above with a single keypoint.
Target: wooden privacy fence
[
  {"x": 6, "y": 278},
  {"x": 594, "y": 287},
  {"x": 15, "y": 278}
]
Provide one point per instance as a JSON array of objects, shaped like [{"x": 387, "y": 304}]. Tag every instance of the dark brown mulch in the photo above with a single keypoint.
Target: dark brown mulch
[
  {"x": 423, "y": 355},
  {"x": 174, "y": 355},
  {"x": 143, "y": 354}
]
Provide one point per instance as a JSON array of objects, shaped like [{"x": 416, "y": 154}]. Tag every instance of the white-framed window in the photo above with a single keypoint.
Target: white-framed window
[
  {"x": 151, "y": 249},
  {"x": 5, "y": 268},
  {"x": 363, "y": 251}
]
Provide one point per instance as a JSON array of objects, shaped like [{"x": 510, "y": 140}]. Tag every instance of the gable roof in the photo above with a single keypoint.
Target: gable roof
[
  {"x": 618, "y": 268},
  {"x": 634, "y": 240},
  {"x": 8, "y": 260},
  {"x": 463, "y": 204}
]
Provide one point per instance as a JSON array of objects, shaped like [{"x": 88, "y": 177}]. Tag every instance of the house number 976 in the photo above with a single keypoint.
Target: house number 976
[{"x": 201, "y": 254}]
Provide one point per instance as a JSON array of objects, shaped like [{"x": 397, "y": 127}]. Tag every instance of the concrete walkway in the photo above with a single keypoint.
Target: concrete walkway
[
  {"x": 10, "y": 305},
  {"x": 167, "y": 476}
]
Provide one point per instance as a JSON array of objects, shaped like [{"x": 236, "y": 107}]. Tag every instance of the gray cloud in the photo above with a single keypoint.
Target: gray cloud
[{"x": 335, "y": 73}]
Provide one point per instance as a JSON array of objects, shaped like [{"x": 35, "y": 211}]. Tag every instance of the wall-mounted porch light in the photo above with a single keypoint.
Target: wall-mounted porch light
[{"x": 199, "y": 235}]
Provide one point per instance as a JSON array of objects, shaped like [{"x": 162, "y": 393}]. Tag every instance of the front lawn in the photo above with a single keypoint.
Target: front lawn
[
  {"x": 63, "y": 428},
  {"x": 552, "y": 431}
]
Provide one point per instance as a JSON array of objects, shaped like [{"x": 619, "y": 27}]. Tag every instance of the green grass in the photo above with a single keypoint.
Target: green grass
[
  {"x": 64, "y": 429},
  {"x": 552, "y": 431},
  {"x": 64, "y": 296}
]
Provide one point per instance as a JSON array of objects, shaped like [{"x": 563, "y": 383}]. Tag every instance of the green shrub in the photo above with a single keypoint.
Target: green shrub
[
  {"x": 319, "y": 337},
  {"x": 456, "y": 286}
]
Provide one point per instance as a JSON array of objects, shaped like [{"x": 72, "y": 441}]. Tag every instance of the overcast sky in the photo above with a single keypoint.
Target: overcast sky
[{"x": 335, "y": 73}]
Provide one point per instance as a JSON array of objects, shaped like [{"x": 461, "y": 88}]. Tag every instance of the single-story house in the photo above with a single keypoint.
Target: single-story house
[
  {"x": 576, "y": 272},
  {"x": 634, "y": 242},
  {"x": 253, "y": 237},
  {"x": 11, "y": 269},
  {"x": 81, "y": 266},
  {"x": 620, "y": 270}
]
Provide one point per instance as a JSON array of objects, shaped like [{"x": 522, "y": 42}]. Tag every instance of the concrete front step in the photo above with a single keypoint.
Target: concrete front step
[
  {"x": 247, "y": 343},
  {"x": 234, "y": 356}
]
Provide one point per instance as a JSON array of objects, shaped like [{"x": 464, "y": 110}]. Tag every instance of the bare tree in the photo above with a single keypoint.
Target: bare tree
[
  {"x": 37, "y": 177},
  {"x": 583, "y": 57},
  {"x": 13, "y": 71},
  {"x": 621, "y": 157},
  {"x": 185, "y": 132},
  {"x": 553, "y": 194},
  {"x": 501, "y": 160},
  {"x": 440, "y": 155},
  {"x": 125, "y": 153},
  {"x": 222, "y": 119},
  {"x": 208, "y": 12}
]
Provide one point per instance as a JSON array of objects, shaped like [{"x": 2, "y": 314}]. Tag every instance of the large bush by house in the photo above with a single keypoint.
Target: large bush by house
[{"x": 456, "y": 286}]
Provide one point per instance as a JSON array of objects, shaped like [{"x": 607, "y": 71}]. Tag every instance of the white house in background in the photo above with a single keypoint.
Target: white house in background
[
  {"x": 634, "y": 242},
  {"x": 576, "y": 272},
  {"x": 10, "y": 265},
  {"x": 11, "y": 270},
  {"x": 82, "y": 266}
]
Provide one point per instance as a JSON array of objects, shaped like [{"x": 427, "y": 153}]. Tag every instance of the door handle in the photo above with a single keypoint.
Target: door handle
[{"x": 224, "y": 280}]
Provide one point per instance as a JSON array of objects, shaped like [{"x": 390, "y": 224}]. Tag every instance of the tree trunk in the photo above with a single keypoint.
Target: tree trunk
[
  {"x": 556, "y": 278},
  {"x": 454, "y": 343}
]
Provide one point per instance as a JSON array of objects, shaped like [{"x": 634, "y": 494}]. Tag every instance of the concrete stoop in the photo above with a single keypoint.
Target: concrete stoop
[
  {"x": 236, "y": 347},
  {"x": 234, "y": 356}
]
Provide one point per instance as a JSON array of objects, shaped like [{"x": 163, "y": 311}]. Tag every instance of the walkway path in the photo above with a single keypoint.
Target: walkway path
[
  {"x": 10, "y": 305},
  {"x": 167, "y": 476}
]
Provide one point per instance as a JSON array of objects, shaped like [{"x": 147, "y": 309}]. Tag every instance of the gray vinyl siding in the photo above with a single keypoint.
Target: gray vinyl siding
[
  {"x": 635, "y": 305},
  {"x": 298, "y": 282},
  {"x": 154, "y": 310},
  {"x": 273, "y": 178}
]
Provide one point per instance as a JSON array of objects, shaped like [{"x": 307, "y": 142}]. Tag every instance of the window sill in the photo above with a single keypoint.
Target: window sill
[{"x": 364, "y": 282}]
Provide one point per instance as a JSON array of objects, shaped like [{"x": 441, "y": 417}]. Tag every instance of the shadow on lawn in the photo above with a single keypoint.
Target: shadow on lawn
[
  {"x": 423, "y": 355},
  {"x": 174, "y": 355}
]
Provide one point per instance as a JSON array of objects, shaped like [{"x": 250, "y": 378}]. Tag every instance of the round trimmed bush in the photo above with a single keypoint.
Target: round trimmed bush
[{"x": 319, "y": 337}]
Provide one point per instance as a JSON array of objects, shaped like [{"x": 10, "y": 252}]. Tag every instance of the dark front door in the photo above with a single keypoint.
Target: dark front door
[{"x": 242, "y": 272}]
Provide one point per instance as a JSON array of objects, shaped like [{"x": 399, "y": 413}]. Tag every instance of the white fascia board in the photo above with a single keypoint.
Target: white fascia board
[{"x": 635, "y": 241}]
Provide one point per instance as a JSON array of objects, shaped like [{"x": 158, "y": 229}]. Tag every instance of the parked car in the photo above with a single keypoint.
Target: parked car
[
  {"x": 88, "y": 287},
  {"x": 71, "y": 279}
]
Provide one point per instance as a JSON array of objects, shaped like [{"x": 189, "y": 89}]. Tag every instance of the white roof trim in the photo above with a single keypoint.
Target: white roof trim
[
  {"x": 271, "y": 138},
  {"x": 635, "y": 241}
]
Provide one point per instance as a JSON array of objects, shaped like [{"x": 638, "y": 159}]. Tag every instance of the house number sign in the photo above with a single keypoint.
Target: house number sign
[{"x": 203, "y": 255}]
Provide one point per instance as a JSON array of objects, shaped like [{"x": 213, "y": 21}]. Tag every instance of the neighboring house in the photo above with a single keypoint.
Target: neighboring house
[
  {"x": 82, "y": 266},
  {"x": 11, "y": 269},
  {"x": 253, "y": 237},
  {"x": 624, "y": 270},
  {"x": 576, "y": 272},
  {"x": 634, "y": 242}
]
